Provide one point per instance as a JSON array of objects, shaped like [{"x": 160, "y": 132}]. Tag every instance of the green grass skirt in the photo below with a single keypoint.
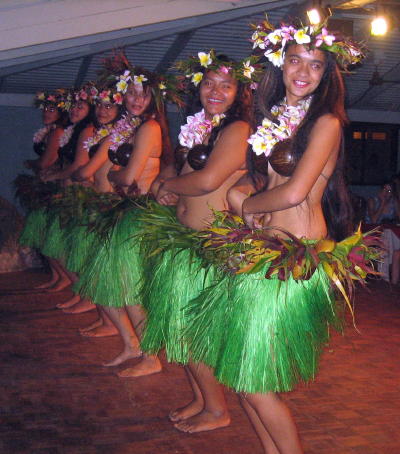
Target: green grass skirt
[
  {"x": 172, "y": 277},
  {"x": 54, "y": 242},
  {"x": 34, "y": 231},
  {"x": 262, "y": 335},
  {"x": 112, "y": 270}
]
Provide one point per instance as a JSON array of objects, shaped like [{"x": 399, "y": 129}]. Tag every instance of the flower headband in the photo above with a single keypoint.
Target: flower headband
[
  {"x": 164, "y": 87},
  {"x": 86, "y": 93},
  {"x": 246, "y": 71},
  {"x": 273, "y": 41},
  {"x": 60, "y": 99}
]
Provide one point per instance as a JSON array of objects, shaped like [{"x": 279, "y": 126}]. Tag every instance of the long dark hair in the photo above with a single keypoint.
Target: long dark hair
[
  {"x": 327, "y": 98},
  {"x": 157, "y": 112},
  {"x": 68, "y": 150}
]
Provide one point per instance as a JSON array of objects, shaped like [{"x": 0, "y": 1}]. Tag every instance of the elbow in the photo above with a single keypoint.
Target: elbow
[
  {"x": 208, "y": 184},
  {"x": 295, "y": 198}
]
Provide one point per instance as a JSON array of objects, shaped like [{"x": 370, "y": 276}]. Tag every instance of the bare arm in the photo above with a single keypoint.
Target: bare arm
[
  {"x": 50, "y": 154},
  {"x": 147, "y": 142},
  {"x": 228, "y": 156},
  {"x": 324, "y": 141},
  {"x": 81, "y": 157},
  {"x": 87, "y": 170}
]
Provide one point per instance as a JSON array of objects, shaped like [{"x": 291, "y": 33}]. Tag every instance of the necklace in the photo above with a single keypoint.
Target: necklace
[
  {"x": 287, "y": 119},
  {"x": 99, "y": 134},
  {"x": 123, "y": 131},
  {"x": 41, "y": 133},
  {"x": 66, "y": 137},
  {"x": 197, "y": 128}
]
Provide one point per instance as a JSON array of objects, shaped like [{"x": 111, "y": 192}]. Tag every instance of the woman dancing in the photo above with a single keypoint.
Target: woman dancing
[
  {"x": 262, "y": 333},
  {"x": 136, "y": 147},
  {"x": 215, "y": 140}
]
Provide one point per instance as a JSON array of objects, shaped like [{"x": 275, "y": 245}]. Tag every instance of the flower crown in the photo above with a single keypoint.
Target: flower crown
[
  {"x": 60, "y": 99},
  {"x": 87, "y": 93},
  {"x": 273, "y": 41},
  {"x": 246, "y": 71},
  {"x": 163, "y": 87}
]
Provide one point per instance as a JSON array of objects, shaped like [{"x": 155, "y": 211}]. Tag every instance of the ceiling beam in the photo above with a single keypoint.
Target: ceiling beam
[
  {"x": 65, "y": 50},
  {"x": 177, "y": 46},
  {"x": 83, "y": 69}
]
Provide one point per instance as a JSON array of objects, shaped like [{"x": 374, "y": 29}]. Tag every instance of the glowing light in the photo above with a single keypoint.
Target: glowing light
[
  {"x": 314, "y": 16},
  {"x": 379, "y": 26}
]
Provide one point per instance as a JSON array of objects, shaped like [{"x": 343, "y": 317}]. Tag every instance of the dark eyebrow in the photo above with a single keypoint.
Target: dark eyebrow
[{"x": 313, "y": 61}]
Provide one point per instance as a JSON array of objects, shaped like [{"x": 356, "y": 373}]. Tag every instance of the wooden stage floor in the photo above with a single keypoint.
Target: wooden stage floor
[{"x": 56, "y": 398}]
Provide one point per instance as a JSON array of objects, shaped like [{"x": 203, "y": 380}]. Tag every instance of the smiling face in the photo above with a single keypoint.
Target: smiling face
[
  {"x": 217, "y": 92},
  {"x": 50, "y": 114},
  {"x": 106, "y": 112},
  {"x": 302, "y": 72},
  {"x": 79, "y": 111},
  {"x": 136, "y": 100}
]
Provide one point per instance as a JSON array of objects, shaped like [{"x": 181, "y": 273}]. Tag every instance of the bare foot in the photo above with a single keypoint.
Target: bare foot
[
  {"x": 61, "y": 284},
  {"x": 182, "y": 413},
  {"x": 84, "y": 305},
  {"x": 130, "y": 353},
  {"x": 100, "y": 331},
  {"x": 203, "y": 421},
  {"x": 71, "y": 302},
  {"x": 95, "y": 324},
  {"x": 47, "y": 284},
  {"x": 149, "y": 365}
]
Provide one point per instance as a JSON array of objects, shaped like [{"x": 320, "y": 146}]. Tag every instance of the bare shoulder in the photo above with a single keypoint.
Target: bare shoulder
[
  {"x": 328, "y": 121},
  {"x": 88, "y": 131},
  {"x": 149, "y": 127},
  {"x": 57, "y": 132},
  {"x": 237, "y": 128}
]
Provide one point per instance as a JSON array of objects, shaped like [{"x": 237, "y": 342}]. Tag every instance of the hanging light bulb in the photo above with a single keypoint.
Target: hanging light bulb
[
  {"x": 314, "y": 16},
  {"x": 379, "y": 26}
]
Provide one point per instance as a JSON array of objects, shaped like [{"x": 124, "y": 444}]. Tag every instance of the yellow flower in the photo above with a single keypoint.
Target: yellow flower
[
  {"x": 161, "y": 86},
  {"x": 205, "y": 59},
  {"x": 196, "y": 78},
  {"x": 301, "y": 37},
  {"x": 103, "y": 132}
]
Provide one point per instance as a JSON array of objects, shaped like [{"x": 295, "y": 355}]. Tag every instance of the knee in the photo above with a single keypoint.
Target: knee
[{"x": 257, "y": 400}]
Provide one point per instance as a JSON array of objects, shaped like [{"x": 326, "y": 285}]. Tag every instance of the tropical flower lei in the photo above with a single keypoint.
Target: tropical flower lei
[
  {"x": 273, "y": 41},
  {"x": 246, "y": 71},
  {"x": 40, "y": 134},
  {"x": 197, "y": 128},
  {"x": 67, "y": 134},
  {"x": 287, "y": 119},
  {"x": 123, "y": 131},
  {"x": 99, "y": 134}
]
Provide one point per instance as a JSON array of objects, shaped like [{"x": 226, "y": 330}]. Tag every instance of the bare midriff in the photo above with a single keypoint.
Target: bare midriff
[
  {"x": 196, "y": 212},
  {"x": 304, "y": 220}
]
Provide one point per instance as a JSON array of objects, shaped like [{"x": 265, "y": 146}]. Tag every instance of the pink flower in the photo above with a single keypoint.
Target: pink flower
[
  {"x": 103, "y": 94},
  {"x": 324, "y": 37},
  {"x": 225, "y": 69},
  {"x": 51, "y": 98},
  {"x": 83, "y": 95},
  {"x": 117, "y": 97}
]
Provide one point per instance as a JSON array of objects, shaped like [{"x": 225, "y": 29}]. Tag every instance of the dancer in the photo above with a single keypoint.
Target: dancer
[
  {"x": 46, "y": 141},
  {"x": 215, "y": 140},
  {"x": 137, "y": 145},
  {"x": 263, "y": 332}
]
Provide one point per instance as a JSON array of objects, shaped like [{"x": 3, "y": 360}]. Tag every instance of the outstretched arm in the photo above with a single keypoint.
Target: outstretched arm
[
  {"x": 323, "y": 143},
  {"x": 228, "y": 156}
]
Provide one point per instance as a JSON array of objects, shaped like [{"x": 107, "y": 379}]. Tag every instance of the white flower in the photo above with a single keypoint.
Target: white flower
[
  {"x": 196, "y": 78},
  {"x": 275, "y": 36},
  {"x": 122, "y": 86},
  {"x": 205, "y": 59},
  {"x": 276, "y": 58},
  {"x": 301, "y": 36},
  {"x": 248, "y": 69},
  {"x": 138, "y": 80}
]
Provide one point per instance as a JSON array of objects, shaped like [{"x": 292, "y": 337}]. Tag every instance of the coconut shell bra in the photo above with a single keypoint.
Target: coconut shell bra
[
  {"x": 121, "y": 155},
  {"x": 281, "y": 159}
]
